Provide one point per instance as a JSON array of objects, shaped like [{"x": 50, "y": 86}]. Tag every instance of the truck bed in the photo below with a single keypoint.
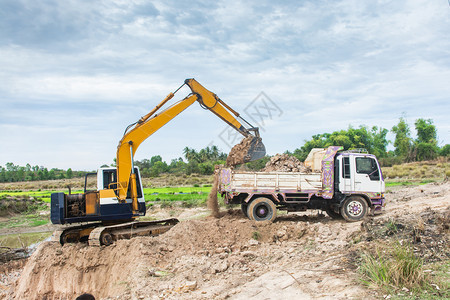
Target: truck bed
[{"x": 237, "y": 181}]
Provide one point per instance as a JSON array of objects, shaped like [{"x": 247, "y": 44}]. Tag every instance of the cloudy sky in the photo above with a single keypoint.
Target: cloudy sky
[{"x": 75, "y": 73}]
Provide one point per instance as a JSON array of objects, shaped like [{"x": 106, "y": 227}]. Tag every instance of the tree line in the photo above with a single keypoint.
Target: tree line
[
  {"x": 374, "y": 140},
  {"x": 13, "y": 173}
]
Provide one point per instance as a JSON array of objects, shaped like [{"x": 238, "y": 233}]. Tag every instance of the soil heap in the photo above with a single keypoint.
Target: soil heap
[
  {"x": 238, "y": 152},
  {"x": 300, "y": 256},
  {"x": 285, "y": 163}
]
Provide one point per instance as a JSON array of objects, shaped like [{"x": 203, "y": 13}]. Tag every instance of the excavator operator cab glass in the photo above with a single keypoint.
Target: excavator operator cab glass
[{"x": 110, "y": 181}]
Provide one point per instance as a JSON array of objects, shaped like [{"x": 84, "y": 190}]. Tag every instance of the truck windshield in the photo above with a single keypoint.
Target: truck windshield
[{"x": 367, "y": 165}]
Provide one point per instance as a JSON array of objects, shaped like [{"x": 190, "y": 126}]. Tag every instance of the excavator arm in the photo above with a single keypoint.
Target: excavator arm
[{"x": 137, "y": 132}]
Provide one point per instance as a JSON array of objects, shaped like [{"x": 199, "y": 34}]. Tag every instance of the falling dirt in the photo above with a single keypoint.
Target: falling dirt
[
  {"x": 299, "y": 256},
  {"x": 213, "y": 203}
]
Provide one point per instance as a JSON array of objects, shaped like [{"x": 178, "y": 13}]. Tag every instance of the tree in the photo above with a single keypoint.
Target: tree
[
  {"x": 445, "y": 151},
  {"x": 191, "y": 155},
  {"x": 403, "y": 140},
  {"x": 158, "y": 168},
  {"x": 373, "y": 140},
  {"x": 426, "y": 142},
  {"x": 155, "y": 159},
  {"x": 426, "y": 131},
  {"x": 69, "y": 173},
  {"x": 379, "y": 142}
]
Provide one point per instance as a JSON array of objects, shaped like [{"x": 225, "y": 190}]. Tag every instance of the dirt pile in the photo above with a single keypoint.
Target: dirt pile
[
  {"x": 193, "y": 250},
  {"x": 285, "y": 163},
  {"x": 238, "y": 153},
  {"x": 428, "y": 231},
  {"x": 300, "y": 256}
]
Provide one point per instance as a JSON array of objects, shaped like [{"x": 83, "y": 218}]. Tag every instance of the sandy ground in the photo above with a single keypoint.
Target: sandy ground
[{"x": 300, "y": 256}]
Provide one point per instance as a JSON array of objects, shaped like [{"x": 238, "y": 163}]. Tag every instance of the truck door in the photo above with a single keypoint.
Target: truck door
[
  {"x": 345, "y": 176},
  {"x": 367, "y": 175}
]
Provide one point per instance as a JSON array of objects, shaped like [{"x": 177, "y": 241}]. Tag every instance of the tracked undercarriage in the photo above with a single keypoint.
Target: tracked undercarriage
[{"x": 98, "y": 234}]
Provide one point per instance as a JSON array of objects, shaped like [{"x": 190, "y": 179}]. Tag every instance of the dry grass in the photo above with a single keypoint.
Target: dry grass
[{"x": 434, "y": 170}]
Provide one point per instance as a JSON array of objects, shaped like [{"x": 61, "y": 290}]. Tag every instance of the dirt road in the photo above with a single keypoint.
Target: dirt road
[{"x": 300, "y": 256}]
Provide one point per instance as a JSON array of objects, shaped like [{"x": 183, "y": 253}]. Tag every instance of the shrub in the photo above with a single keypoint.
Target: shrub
[
  {"x": 393, "y": 266},
  {"x": 256, "y": 235}
]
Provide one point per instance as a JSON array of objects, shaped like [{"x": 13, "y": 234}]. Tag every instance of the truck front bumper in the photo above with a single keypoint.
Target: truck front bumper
[{"x": 378, "y": 205}]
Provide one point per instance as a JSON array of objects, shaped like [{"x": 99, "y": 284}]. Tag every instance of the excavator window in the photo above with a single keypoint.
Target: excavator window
[
  {"x": 109, "y": 176},
  {"x": 110, "y": 179}
]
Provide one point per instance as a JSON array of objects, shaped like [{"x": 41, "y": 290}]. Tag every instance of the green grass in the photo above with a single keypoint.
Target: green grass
[
  {"x": 167, "y": 190},
  {"x": 25, "y": 220},
  {"x": 173, "y": 197},
  {"x": 150, "y": 194},
  {"x": 408, "y": 183},
  {"x": 395, "y": 267},
  {"x": 23, "y": 239}
]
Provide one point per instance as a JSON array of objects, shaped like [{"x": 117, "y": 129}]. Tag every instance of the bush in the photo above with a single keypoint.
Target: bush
[
  {"x": 445, "y": 151},
  {"x": 393, "y": 266}
]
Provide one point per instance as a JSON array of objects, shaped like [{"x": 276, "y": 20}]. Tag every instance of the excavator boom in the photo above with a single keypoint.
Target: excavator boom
[
  {"x": 137, "y": 132},
  {"x": 119, "y": 198}
]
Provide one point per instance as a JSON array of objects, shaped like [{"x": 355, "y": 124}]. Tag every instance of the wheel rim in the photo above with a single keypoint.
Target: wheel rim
[
  {"x": 355, "y": 208},
  {"x": 262, "y": 211}
]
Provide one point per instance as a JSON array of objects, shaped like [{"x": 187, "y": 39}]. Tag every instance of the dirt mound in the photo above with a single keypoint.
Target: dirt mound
[
  {"x": 238, "y": 152},
  {"x": 428, "y": 231},
  {"x": 285, "y": 163},
  {"x": 211, "y": 245},
  {"x": 299, "y": 256}
]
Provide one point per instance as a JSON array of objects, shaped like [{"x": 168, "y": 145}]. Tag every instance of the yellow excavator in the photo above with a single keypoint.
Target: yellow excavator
[{"x": 110, "y": 212}]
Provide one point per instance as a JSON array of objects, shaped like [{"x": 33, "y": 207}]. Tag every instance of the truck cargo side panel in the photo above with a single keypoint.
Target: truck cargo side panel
[{"x": 246, "y": 182}]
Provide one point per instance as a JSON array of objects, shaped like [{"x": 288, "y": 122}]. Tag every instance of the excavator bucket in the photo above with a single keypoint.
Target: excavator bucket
[
  {"x": 256, "y": 150},
  {"x": 249, "y": 149}
]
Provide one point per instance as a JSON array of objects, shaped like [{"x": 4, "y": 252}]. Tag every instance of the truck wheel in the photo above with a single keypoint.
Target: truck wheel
[
  {"x": 262, "y": 209},
  {"x": 244, "y": 207},
  {"x": 333, "y": 214},
  {"x": 354, "y": 209}
]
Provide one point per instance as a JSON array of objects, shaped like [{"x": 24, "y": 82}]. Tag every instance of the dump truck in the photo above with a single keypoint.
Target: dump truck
[{"x": 345, "y": 184}]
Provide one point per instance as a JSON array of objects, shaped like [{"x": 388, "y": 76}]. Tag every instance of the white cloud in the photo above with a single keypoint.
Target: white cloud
[{"x": 73, "y": 76}]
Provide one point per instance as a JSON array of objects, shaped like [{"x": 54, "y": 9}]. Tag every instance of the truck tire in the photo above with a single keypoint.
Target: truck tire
[
  {"x": 262, "y": 209},
  {"x": 333, "y": 214},
  {"x": 354, "y": 208},
  {"x": 244, "y": 207}
]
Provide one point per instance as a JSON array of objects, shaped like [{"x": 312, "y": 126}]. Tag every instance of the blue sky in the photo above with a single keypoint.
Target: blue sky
[{"x": 74, "y": 74}]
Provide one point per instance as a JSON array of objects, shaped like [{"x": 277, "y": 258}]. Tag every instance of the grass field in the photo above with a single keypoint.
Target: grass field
[
  {"x": 150, "y": 194},
  {"x": 23, "y": 239}
]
